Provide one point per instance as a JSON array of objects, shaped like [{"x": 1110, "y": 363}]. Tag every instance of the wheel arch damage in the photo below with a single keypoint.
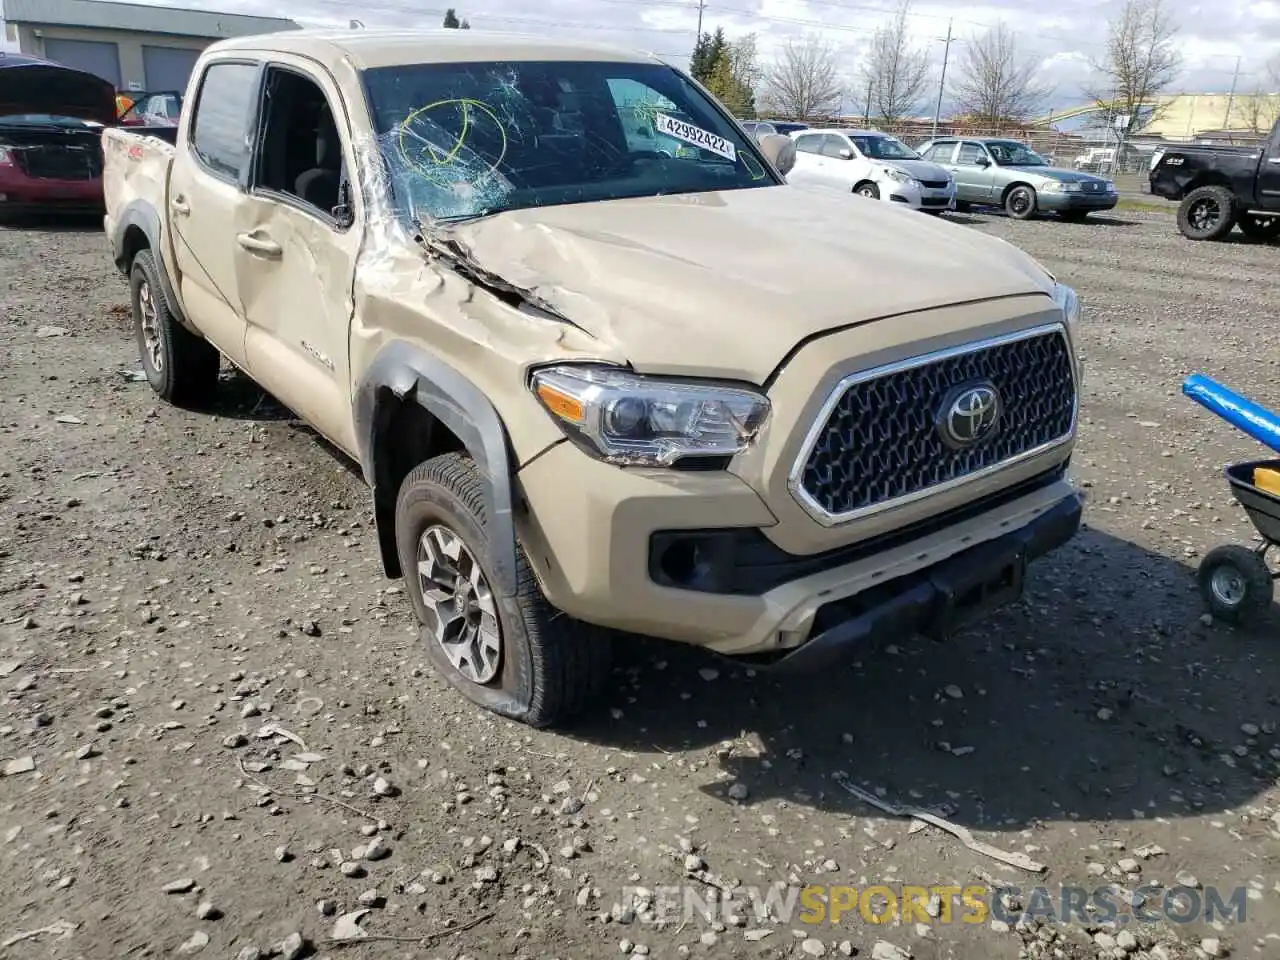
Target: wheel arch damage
[
  {"x": 139, "y": 228},
  {"x": 411, "y": 405}
]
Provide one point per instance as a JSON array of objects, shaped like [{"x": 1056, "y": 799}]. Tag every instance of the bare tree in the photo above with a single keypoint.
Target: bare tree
[
  {"x": 1259, "y": 110},
  {"x": 895, "y": 72},
  {"x": 1141, "y": 62},
  {"x": 803, "y": 82},
  {"x": 996, "y": 83}
]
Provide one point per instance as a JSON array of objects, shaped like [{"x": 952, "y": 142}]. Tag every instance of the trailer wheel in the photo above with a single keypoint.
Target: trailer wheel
[
  {"x": 1257, "y": 227},
  {"x": 1207, "y": 213},
  {"x": 1236, "y": 584}
]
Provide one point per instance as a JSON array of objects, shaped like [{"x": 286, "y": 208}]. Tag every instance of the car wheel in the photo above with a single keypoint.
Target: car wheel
[
  {"x": 180, "y": 366},
  {"x": 1020, "y": 203},
  {"x": 1207, "y": 213},
  {"x": 867, "y": 189},
  {"x": 1257, "y": 227},
  {"x": 517, "y": 656}
]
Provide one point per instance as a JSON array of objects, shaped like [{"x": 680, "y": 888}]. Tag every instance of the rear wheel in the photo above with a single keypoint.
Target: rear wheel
[
  {"x": 1259, "y": 227},
  {"x": 868, "y": 190},
  {"x": 180, "y": 366},
  {"x": 1207, "y": 213},
  {"x": 1020, "y": 202}
]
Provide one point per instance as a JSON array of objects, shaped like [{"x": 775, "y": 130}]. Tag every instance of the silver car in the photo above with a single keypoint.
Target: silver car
[{"x": 1010, "y": 174}]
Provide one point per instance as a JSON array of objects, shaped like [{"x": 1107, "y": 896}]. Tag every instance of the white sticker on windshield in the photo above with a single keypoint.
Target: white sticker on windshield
[{"x": 694, "y": 135}]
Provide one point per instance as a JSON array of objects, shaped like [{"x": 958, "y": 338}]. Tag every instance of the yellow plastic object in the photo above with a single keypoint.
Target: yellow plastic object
[{"x": 1268, "y": 479}]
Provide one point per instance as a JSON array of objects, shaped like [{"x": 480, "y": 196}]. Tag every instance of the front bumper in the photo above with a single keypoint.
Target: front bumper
[
  {"x": 938, "y": 600},
  {"x": 1058, "y": 202},
  {"x": 917, "y": 196},
  {"x": 589, "y": 530}
]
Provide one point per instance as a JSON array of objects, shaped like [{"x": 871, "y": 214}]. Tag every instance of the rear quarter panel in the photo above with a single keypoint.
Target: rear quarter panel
[
  {"x": 1183, "y": 169},
  {"x": 135, "y": 184}
]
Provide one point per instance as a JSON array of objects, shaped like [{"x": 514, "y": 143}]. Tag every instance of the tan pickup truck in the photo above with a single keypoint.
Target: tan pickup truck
[{"x": 604, "y": 371}]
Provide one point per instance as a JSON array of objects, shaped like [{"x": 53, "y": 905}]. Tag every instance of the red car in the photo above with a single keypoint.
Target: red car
[{"x": 51, "y": 122}]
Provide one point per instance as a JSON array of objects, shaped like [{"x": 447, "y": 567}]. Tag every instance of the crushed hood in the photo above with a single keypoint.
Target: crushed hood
[
  {"x": 727, "y": 284},
  {"x": 31, "y": 85}
]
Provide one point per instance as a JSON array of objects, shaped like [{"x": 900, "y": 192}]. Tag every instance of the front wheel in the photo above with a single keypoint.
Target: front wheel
[
  {"x": 1258, "y": 227},
  {"x": 1020, "y": 203},
  {"x": 1236, "y": 584},
  {"x": 1207, "y": 213},
  {"x": 517, "y": 656},
  {"x": 868, "y": 190}
]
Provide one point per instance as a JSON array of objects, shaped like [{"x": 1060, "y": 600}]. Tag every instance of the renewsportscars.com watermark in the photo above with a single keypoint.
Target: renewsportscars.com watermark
[{"x": 816, "y": 904}]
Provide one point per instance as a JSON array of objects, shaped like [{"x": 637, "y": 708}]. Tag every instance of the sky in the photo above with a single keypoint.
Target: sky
[{"x": 1063, "y": 36}]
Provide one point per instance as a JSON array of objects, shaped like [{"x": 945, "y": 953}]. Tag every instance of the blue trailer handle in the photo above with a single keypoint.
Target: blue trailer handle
[{"x": 1258, "y": 422}]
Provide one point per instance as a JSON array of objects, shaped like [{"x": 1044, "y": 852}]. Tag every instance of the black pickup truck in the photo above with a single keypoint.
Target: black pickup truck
[{"x": 1220, "y": 187}]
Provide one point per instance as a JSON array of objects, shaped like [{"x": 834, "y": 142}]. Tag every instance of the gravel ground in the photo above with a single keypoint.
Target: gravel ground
[{"x": 220, "y": 739}]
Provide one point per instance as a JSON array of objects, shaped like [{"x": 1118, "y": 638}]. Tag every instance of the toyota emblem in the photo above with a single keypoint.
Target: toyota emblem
[{"x": 968, "y": 414}]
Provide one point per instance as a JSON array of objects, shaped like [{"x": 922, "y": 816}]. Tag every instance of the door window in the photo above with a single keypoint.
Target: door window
[
  {"x": 971, "y": 154},
  {"x": 809, "y": 143},
  {"x": 940, "y": 152},
  {"x": 224, "y": 105},
  {"x": 832, "y": 145},
  {"x": 300, "y": 157}
]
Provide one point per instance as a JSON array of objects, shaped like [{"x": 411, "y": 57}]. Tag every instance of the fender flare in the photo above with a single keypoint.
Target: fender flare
[
  {"x": 401, "y": 374},
  {"x": 141, "y": 214}
]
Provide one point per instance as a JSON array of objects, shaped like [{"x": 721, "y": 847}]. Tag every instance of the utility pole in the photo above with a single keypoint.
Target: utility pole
[
  {"x": 701, "y": 4},
  {"x": 1235, "y": 77},
  {"x": 942, "y": 80}
]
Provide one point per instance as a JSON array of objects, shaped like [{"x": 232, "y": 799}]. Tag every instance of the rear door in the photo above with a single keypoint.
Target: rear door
[
  {"x": 974, "y": 173},
  {"x": 206, "y": 196}
]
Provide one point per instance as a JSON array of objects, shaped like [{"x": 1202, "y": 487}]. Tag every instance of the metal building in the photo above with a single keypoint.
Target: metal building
[{"x": 135, "y": 46}]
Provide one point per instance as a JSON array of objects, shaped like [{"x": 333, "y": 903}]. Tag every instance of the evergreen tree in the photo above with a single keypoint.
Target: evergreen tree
[
  {"x": 451, "y": 19},
  {"x": 707, "y": 52}
]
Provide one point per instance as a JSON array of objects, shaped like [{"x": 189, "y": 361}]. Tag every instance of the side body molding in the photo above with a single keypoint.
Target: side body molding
[
  {"x": 141, "y": 216},
  {"x": 402, "y": 374}
]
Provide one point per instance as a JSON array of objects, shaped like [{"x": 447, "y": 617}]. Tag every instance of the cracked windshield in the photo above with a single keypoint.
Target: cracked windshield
[{"x": 468, "y": 139}]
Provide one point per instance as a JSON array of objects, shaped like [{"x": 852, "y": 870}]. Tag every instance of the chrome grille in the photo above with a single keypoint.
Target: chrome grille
[{"x": 877, "y": 444}]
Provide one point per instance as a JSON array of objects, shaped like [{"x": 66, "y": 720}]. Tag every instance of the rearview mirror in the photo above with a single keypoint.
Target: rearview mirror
[{"x": 780, "y": 151}]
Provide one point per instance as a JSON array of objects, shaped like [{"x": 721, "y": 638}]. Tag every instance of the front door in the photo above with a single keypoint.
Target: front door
[
  {"x": 1269, "y": 173},
  {"x": 205, "y": 196},
  {"x": 974, "y": 181},
  {"x": 296, "y": 249}
]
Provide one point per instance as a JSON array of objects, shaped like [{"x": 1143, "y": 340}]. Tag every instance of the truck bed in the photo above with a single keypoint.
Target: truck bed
[{"x": 136, "y": 163}]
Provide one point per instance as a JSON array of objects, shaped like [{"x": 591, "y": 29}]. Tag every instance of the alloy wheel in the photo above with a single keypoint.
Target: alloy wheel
[{"x": 460, "y": 601}]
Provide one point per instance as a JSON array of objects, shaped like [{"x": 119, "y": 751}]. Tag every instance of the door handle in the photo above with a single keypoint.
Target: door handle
[
  {"x": 180, "y": 206},
  {"x": 263, "y": 248}
]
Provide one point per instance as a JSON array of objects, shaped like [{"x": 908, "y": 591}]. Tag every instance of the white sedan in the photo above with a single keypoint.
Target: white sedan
[{"x": 871, "y": 164}]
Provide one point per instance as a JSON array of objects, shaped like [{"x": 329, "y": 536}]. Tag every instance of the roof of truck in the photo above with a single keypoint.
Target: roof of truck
[{"x": 367, "y": 48}]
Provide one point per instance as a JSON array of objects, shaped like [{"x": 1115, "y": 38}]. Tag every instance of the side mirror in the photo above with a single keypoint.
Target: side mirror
[
  {"x": 983, "y": 162},
  {"x": 846, "y": 153},
  {"x": 779, "y": 150}
]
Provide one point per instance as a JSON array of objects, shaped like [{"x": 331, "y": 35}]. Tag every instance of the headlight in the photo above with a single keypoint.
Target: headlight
[
  {"x": 897, "y": 176},
  {"x": 1057, "y": 186},
  {"x": 633, "y": 419}
]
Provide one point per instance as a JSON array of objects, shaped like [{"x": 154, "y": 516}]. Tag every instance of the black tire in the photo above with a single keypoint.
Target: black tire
[
  {"x": 1207, "y": 213},
  {"x": 180, "y": 366},
  {"x": 550, "y": 666},
  {"x": 1259, "y": 227},
  {"x": 1236, "y": 584},
  {"x": 1074, "y": 216},
  {"x": 1020, "y": 202},
  {"x": 867, "y": 189}
]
